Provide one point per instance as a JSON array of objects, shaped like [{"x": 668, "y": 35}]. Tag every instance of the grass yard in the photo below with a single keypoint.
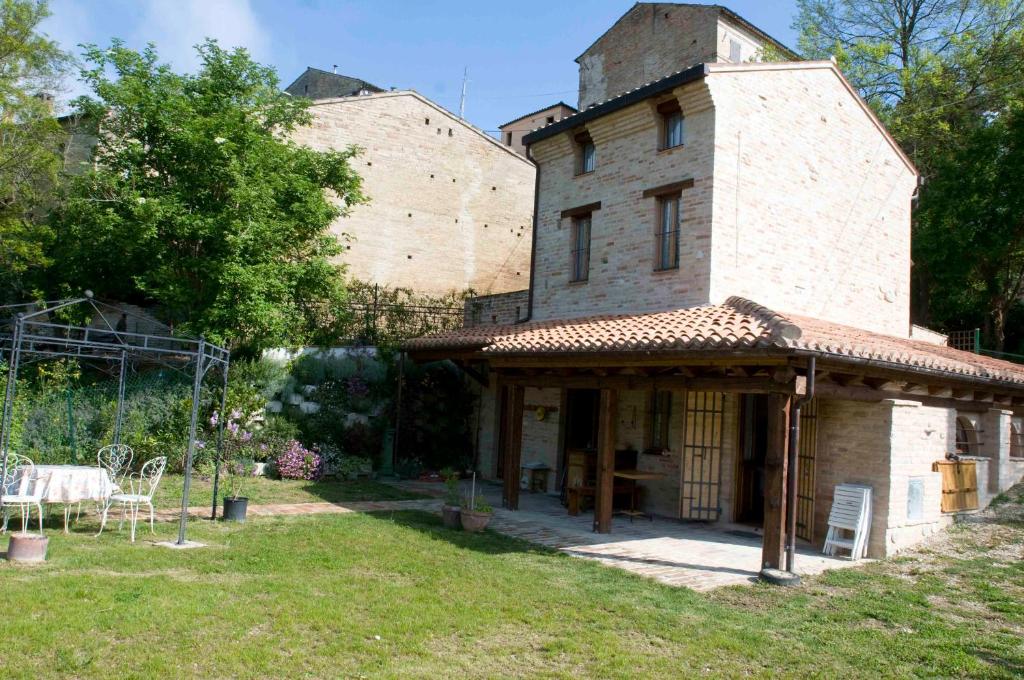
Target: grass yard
[
  {"x": 396, "y": 595},
  {"x": 262, "y": 491}
]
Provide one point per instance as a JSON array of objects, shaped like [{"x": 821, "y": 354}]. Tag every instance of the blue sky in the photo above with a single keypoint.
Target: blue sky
[{"x": 519, "y": 54}]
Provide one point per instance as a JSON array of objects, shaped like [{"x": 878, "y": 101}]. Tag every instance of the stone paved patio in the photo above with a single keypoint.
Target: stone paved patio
[{"x": 698, "y": 556}]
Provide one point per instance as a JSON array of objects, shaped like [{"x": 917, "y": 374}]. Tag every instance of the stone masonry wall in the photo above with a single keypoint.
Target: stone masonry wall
[
  {"x": 450, "y": 208},
  {"x": 811, "y": 203}
]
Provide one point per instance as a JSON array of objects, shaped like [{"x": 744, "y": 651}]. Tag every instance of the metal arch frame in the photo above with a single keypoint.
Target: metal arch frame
[{"x": 26, "y": 332}]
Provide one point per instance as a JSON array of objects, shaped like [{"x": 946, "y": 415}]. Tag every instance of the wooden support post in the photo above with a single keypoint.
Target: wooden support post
[
  {"x": 513, "y": 447},
  {"x": 775, "y": 465},
  {"x": 607, "y": 418}
]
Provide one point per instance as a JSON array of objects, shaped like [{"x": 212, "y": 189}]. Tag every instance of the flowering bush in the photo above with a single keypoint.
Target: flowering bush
[
  {"x": 237, "y": 457},
  {"x": 298, "y": 462}
]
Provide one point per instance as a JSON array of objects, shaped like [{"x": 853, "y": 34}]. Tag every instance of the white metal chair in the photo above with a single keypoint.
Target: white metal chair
[
  {"x": 21, "y": 491},
  {"x": 141, "y": 487},
  {"x": 116, "y": 461}
]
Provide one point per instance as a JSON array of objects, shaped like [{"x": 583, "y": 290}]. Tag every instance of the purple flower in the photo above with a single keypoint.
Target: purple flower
[
  {"x": 233, "y": 427},
  {"x": 246, "y": 436},
  {"x": 214, "y": 419},
  {"x": 200, "y": 444},
  {"x": 236, "y": 414}
]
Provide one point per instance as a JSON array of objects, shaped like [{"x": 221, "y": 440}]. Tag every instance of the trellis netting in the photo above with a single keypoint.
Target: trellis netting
[{"x": 58, "y": 425}]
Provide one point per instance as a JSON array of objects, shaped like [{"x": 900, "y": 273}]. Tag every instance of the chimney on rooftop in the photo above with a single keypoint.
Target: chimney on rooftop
[{"x": 335, "y": 69}]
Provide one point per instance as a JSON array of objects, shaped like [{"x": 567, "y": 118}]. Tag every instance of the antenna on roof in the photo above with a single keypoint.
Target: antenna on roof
[
  {"x": 462, "y": 99},
  {"x": 334, "y": 69}
]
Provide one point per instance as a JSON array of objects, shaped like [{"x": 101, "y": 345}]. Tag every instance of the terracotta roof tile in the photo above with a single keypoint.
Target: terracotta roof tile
[{"x": 735, "y": 324}]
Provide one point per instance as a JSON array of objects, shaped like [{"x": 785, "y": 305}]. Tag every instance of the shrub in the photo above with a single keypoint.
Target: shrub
[{"x": 298, "y": 462}]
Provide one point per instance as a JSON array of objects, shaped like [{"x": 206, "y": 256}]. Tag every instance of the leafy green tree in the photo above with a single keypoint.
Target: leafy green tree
[
  {"x": 945, "y": 77},
  {"x": 30, "y": 138},
  {"x": 199, "y": 202}
]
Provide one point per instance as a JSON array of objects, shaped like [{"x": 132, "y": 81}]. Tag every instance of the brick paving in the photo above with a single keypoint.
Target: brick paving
[{"x": 697, "y": 556}]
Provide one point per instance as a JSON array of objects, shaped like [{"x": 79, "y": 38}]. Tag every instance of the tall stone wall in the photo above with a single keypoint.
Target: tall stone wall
[{"x": 450, "y": 208}]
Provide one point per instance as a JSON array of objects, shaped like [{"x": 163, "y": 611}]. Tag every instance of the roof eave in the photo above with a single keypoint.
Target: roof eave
[{"x": 694, "y": 73}]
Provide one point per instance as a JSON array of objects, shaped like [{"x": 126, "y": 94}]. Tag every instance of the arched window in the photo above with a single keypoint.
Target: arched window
[
  {"x": 966, "y": 439},
  {"x": 1016, "y": 439}
]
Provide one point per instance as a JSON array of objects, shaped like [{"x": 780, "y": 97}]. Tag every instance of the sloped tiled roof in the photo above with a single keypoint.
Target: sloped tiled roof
[{"x": 737, "y": 324}]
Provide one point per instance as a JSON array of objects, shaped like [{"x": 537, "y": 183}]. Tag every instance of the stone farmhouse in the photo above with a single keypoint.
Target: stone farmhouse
[
  {"x": 450, "y": 207},
  {"x": 719, "y": 304}
]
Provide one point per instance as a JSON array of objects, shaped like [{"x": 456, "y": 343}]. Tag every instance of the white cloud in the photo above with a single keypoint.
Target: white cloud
[{"x": 176, "y": 26}]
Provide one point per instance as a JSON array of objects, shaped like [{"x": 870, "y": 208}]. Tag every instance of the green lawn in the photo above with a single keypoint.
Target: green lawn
[
  {"x": 395, "y": 595},
  {"x": 261, "y": 490}
]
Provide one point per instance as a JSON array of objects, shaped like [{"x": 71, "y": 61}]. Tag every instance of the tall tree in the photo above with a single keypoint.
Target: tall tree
[
  {"x": 199, "y": 202},
  {"x": 31, "y": 66}
]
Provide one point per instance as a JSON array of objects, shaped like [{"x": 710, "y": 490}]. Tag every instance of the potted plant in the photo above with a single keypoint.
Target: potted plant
[
  {"x": 237, "y": 467},
  {"x": 451, "y": 512},
  {"x": 476, "y": 514}
]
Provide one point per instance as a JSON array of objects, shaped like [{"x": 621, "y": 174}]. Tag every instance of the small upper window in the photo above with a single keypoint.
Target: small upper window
[
  {"x": 508, "y": 138},
  {"x": 735, "y": 51},
  {"x": 586, "y": 157},
  {"x": 550, "y": 120},
  {"x": 671, "y": 124},
  {"x": 1016, "y": 439},
  {"x": 581, "y": 247}
]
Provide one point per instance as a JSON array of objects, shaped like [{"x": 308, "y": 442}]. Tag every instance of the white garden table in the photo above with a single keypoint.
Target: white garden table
[{"x": 69, "y": 484}]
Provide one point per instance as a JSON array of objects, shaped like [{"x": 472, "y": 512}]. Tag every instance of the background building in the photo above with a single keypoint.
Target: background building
[
  {"x": 512, "y": 132},
  {"x": 450, "y": 207}
]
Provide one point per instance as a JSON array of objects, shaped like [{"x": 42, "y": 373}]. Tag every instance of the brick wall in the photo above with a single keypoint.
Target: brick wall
[
  {"x": 811, "y": 203},
  {"x": 884, "y": 445},
  {"x": 450, "y": 207},
  {"x": 500, "y": 308},
  {"x": 622, "y": 277},
  {"x": 799, "y": 202},
  {"x": 648, "y": 42}
]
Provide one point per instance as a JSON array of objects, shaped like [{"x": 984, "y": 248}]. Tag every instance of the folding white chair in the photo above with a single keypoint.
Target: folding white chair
[
  {"x": 851, "y": 513},
  {"x": 21, "y": 491}
]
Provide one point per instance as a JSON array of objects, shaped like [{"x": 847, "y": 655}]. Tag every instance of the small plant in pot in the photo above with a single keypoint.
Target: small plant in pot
[
  {"x": 237, "y": 467},
  {"x": 451, "y": 511},
  {"x": 476, "y": 514}
]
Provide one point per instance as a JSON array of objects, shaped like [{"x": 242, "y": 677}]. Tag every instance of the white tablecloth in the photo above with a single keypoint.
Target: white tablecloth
[{"x": 72, "y": 483}]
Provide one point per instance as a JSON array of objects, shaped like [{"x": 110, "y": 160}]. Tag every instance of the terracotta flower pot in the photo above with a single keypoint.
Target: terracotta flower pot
[
  {"x": 475, "y": 521},
  {"x": 27, "y": 548},
  {"x": 451, "y": 515}
]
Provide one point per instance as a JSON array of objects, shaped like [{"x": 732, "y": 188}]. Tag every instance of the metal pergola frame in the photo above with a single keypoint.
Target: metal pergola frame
[{"x": 28, "y": 333}]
